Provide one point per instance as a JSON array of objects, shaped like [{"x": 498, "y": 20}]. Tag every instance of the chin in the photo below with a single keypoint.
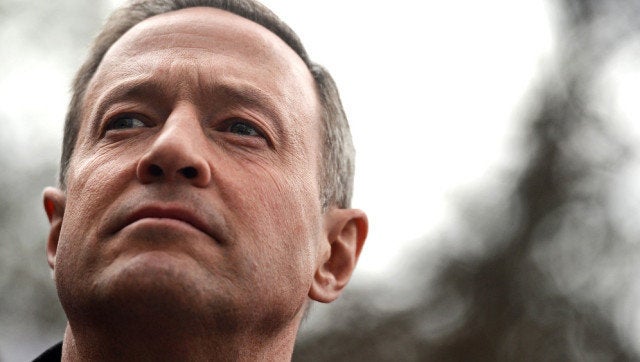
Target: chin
[
  {"x": 153, "y": 275},
  {"x": 157, "y": 288}
]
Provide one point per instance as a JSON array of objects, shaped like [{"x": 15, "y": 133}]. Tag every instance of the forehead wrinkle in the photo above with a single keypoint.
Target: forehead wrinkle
[{"x": 131, "y": 79}]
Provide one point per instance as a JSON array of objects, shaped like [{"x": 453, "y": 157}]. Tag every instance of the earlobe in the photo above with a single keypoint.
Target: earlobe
[
  {"x": 346, "y": 231},
  {"x": 54, "y": 205}
]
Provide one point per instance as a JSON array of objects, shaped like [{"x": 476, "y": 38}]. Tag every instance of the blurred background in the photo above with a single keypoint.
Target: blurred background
[{"x": 497, "y": 162}]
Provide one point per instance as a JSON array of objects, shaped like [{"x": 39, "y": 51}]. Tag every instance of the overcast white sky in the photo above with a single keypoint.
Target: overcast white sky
[{"x": 430, "y": 89}]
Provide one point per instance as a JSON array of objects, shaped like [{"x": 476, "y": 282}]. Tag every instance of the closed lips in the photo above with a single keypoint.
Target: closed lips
[{"x": 169, "y": 213}]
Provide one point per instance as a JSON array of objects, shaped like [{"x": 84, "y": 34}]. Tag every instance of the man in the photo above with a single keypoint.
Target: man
[{"x": 205, "y": 185}]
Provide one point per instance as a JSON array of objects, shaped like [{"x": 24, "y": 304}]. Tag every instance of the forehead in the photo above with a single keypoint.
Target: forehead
[
  {"x": 210, "y": 45},
  {"x": 207, "y": 29}
]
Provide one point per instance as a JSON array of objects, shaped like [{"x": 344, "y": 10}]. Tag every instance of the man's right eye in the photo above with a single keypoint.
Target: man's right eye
[{"x": 125, "y": 122}]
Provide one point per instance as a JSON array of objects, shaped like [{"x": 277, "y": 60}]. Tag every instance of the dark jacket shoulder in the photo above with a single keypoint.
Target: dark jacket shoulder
[{"x": 52, "y": 354}]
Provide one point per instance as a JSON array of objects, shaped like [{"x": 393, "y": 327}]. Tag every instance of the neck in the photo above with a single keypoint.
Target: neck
[{"x": 197, "y": 344}]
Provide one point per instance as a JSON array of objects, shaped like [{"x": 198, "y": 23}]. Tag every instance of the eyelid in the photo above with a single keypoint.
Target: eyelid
[{"x": 260, "y": 127}]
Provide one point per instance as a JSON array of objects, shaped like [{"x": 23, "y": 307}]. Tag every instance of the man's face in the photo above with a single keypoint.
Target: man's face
[{"x": 195, "y": 175}]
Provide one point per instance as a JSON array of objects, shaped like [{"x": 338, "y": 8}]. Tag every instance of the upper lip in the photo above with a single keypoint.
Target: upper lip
[{"x": 169, "y": 212}]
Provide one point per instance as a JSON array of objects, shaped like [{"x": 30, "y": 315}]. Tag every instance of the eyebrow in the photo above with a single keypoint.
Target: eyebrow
[
  {"x": 134, "y": 88},
  {"x": 249, "y": 95}
]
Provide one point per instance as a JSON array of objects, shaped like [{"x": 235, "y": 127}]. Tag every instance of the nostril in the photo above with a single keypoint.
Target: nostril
[
  {"x": 155, "y": 171},
  {"x": 189, "y": 172}
]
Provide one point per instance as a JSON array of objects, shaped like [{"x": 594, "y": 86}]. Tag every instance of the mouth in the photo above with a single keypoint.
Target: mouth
[{"x": 171, "y": 213}]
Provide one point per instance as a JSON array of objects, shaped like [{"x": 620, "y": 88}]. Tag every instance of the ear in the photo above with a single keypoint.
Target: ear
[
  {"x": 54, "y": 204},
  {"x": 346, "y": 231}
]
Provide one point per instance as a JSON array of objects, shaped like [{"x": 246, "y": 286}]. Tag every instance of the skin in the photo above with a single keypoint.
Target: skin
[{"x": 191, "y": 225}]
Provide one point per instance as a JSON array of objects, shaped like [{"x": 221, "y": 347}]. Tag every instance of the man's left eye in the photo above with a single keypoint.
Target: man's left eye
[{"x": 244, "y": 129}]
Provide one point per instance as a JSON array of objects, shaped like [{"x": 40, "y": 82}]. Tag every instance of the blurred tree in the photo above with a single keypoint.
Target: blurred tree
[{"x": 536, "y": 292}]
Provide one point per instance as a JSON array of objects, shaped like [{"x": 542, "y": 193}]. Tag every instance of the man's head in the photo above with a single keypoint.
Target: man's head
[
  {"x": 197, "y": 159},
  {"x": 338, "y": 155}
]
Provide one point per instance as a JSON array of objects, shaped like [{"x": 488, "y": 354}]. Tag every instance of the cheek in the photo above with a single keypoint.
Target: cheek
[
  {"x": 100, "y": 166},
  {"x": 95, "y": 179},
  {"x": 280, "y": 215},
  {"x": 94, "y": 182}
]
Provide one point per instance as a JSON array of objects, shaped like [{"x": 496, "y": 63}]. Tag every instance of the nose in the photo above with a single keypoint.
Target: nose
[{"x": 177, "y": 153}]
